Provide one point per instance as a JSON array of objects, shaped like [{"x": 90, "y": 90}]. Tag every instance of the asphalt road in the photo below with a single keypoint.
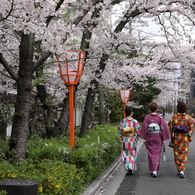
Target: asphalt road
[{"x": 141, "y": 183}]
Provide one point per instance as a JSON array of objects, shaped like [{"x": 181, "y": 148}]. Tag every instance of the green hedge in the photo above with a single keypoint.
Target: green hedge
[{"x": 60, "y": 169}]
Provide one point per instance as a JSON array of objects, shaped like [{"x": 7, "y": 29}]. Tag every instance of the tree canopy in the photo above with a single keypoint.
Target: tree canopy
[{"x": 119, "y": 53}]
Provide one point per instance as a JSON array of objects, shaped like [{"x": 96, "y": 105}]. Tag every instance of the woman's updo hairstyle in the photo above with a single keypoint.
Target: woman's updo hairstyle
[
  {"x": 153, "y": 107},
  {"x": 181, "y": 107},
  {"x": 128, "y": 111}
]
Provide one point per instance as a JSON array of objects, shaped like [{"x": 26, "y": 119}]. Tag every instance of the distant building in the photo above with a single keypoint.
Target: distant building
[
  {"x": 188, "y": 89},
  {"x": 191, "y": 95}
]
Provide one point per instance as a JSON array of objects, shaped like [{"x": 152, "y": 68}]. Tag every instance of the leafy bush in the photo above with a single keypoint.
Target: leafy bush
[
  {"x": 3, "y": 192},
  {"x": 53, "y": 149},
  {"x": 60, "y": 169},
  {"x": 115, "y": 106},
  {"x": 96, "y": 150},
  {"x": 4, "y": 148},
  {"x": 53, "y": 177}
]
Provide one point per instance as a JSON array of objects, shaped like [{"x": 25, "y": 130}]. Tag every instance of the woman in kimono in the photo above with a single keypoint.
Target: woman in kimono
[
  {"x": 154, "y": 132},
  {"x": 128, "y": 130},
  {"x": 181, "y": 139}
]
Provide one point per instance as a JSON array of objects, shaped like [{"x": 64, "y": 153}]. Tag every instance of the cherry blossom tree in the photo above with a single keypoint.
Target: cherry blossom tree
[
  {"x": 26, "y": 25},
  {"x": 135, "y": 11},
  {"x": 33, "y": 31}
]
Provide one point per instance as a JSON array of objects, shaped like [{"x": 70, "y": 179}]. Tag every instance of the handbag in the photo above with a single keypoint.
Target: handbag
[
  {"x": 164, "y": 154},
  {"x": 189, "y": 138},
  {"x": 171, "y": 144}
]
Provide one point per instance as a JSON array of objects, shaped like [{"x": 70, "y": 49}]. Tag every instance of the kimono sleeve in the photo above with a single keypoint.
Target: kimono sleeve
[
  {"x": 170, "y": 125},
  {"x": 191, "y": 124},
  {"x": 120, "y": 127},
  {"x": 164, "y": 129},
  {"x": 137, "y": 127},
  {"x": 144, "y": 129}
]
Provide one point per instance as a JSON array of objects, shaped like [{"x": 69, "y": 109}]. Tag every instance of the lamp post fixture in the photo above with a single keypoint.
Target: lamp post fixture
[
  {"x": 125, "y": 95},
  {"x": 71, "y": 72}
]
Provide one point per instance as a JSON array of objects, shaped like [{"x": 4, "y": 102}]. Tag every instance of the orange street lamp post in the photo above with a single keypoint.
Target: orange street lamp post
[
  {"x": 125, "y": 95},
  {"x": 71, "y": 72}
]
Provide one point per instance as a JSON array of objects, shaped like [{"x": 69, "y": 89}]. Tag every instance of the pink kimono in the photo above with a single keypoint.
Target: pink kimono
[{"x": 154, "y": 141}]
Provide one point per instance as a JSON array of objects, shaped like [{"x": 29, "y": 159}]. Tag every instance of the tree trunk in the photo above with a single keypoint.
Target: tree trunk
[
  {"x": 63, "y": 122},
  {"x": 3, "y": 126},
  {"x": 86, "y": 119},
  {"x": 24, "y": 83},
  {"x": 88, "y": 109},
  {"x": 48, "y": 110},
  {"x": 101, "y": 110}
]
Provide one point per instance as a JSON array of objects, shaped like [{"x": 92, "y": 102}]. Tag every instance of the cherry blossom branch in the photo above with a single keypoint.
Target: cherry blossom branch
[
  {"x": 9, "y": 12},
  {"x": 167, "y": 36}
]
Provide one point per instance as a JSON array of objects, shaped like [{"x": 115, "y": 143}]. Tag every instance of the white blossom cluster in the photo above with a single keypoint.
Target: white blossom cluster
[{"x": 133, "y": 54}]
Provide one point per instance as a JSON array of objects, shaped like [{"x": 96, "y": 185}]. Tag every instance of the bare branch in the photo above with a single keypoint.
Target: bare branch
[
  {"x": 85, "y": 11},
  {"x": 8, "y": 68},
  {"x": 41, "y": 60}
]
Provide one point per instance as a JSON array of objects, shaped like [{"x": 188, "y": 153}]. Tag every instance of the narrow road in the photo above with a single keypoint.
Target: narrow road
[{"x": 141, "y": 183}]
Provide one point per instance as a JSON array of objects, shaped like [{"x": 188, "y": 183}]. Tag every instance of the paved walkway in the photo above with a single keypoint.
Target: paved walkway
[
  {"x": 106, "y": 176},
  {"x": 114, "y": 181},
  {"x": 142, "y": 183}
]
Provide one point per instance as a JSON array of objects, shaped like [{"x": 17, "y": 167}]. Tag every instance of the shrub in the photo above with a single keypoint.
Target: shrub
[
  {"x": 3, "y": 192},
  {"x": 53, "y": 177},
  {"x": 53, "y": 149},
  {"x": 4, "y": 149},
  {"x": 60, "y": 169},
  {"x": 96, "y": 150}
]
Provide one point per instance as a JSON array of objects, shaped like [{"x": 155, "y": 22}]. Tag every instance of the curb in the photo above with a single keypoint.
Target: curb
[{"x": 96, "y": 184}]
